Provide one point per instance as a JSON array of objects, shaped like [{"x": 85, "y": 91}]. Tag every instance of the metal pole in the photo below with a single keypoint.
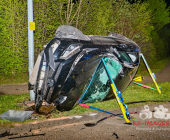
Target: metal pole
[
  {"x": 30, "y": 43},
  {"x": 149, "y": 70}
]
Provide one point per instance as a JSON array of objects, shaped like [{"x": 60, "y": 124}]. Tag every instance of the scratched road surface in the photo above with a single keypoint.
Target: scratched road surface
[{"x": 72, "y": 128}]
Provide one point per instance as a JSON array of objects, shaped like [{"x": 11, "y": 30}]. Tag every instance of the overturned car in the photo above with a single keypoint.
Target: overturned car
[{"x": 70, "y": 61}]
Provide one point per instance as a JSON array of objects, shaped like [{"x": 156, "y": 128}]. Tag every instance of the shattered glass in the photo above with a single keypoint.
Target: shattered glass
[{"x": 100, "y": 86}]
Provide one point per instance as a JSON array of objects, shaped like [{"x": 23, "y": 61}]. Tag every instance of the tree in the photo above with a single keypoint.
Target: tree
[
  {"x": 160, "y": 18},
  {"x": 76, "y": 13},
  {"x": 160, "y": 13}
]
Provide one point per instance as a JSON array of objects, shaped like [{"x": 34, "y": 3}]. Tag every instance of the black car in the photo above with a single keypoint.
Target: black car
[{"x": 70, "y": 62}]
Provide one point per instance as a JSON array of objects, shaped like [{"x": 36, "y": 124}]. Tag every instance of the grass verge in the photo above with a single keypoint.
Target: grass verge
[
  {"x": 131, "y": 94},
  {"x": 23, "y": 78}
]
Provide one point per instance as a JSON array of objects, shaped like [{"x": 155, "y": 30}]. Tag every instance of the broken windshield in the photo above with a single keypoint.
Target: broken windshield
[{"x": 125, "y": 57}]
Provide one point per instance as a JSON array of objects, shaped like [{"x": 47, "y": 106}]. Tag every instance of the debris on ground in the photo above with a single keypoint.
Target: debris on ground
[{"x": 16, "y": 115}]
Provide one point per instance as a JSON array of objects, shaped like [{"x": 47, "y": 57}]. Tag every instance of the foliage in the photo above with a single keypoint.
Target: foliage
[
  {"x": 164, "y": 35},
  {"x": 77, "y": 13},
  {"x": 143, "y": 22},
  {"x": 134, "y": 21},
  {"x": 161, "y": 17},
  {"x": 13, "y": 47},
  {"x": 160, "y": 13},
  {"x": 102, "y": 23},
  {"x": 13, "y": 50},
  {"x": 47, "y": 20}
]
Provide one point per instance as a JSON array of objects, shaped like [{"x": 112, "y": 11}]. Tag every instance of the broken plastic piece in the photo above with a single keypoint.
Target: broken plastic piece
[{"x": 16, "y": 115}]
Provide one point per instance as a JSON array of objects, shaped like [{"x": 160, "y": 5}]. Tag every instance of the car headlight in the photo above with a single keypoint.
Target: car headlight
[{"x": 71, "y": 50}]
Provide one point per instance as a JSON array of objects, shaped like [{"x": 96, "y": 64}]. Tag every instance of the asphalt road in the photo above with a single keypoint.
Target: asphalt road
[{"x": 73, "y": 127}]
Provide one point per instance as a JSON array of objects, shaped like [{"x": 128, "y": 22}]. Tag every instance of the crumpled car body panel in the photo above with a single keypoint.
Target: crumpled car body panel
[{"x": 67, "y": 64}]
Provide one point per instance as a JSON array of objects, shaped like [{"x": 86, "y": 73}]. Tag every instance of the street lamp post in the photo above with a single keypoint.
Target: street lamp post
[{"x": 31, "y": 28}]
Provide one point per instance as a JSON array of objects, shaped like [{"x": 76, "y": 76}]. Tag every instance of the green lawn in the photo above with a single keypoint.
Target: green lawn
[
  {"x": 131, "y": 94},
  {"x": 14, "y": 79},
  {"x": 11, "y": 102}
]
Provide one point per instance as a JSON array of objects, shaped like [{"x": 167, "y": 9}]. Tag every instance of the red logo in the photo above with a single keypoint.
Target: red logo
[{"x": 151, "y": 123}]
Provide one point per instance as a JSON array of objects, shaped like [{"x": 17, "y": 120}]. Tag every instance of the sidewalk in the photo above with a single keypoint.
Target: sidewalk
[{"x": 14, "y": 89}]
